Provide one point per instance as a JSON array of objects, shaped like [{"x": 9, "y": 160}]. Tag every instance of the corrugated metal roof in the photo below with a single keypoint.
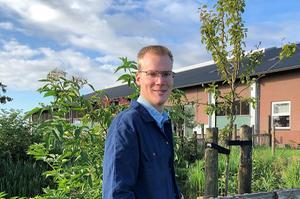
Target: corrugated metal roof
[{"x": 203, "y": 74}]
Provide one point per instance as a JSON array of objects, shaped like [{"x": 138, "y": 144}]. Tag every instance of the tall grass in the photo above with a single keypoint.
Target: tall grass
[
  {"x": 280, "y": 171},
  {"x": 195, "y": 176},
  {"x": 22, "y": 178}
]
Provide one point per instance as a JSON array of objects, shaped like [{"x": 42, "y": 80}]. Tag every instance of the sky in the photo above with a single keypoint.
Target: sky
[{"x": 85, "y": 38}]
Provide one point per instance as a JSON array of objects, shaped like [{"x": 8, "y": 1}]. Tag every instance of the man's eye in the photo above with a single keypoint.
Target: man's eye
[
  {"x": 166, "y": 74},
  {"x": 152, "y": 74}
]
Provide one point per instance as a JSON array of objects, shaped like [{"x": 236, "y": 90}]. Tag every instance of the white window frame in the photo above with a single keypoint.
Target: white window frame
[{"x": 282, "y": 114}]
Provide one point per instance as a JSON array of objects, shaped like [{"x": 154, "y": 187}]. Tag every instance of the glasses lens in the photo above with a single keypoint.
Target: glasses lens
[
  {"x": 152, "y": 74},
  {"x": 155, "y": 74}
]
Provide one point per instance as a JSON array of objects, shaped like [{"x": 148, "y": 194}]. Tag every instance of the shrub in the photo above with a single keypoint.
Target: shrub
[
  {"x": 20, "y": 174},
  {"x": 74, "y": 152},
  {"x": 16, "y": 135}
]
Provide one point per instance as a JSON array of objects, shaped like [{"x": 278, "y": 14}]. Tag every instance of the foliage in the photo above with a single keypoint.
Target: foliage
[
  {"x": 74, "y": 152},
  {"x": 22, "y": 177},
  {"x": 130, "y": 68},
  {"x": 179, "y": 113},
  {"x": 4, "y": 98},
  {"x": 291, "y": 174},
  {"x": 287, "y": 50},
  {"x": 195, "y": 180},
  {"x": 187, "y": 152},
  {"x": 19, "y": 173},
  {"x": 2, "y": 194},
  {"x": 223, "y": 32},
  {"x": 16, "y": 135}
]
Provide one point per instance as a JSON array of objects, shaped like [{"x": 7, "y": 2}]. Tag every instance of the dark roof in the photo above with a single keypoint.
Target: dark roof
[
  {"x": 208, "y": 73},
  {"x": 116, "y": 92}
]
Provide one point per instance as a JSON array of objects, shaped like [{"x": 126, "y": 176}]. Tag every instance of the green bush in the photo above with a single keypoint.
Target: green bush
[
  {"x": 187, "y": 152},
  {"x": 74, "y": 152},
  {"x": 20, "y": 174},
  {"x": 16, "y": 135}
]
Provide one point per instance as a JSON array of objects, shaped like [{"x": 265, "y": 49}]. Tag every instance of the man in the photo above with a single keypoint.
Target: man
[{"x": 138, "y": 158}]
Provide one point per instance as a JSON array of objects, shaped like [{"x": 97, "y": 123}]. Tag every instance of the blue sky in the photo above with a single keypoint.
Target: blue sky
[{"x": 85, "y": 38}]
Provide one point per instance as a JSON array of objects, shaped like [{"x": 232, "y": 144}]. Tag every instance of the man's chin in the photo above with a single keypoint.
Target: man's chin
[{"x": 161, "y": 102}]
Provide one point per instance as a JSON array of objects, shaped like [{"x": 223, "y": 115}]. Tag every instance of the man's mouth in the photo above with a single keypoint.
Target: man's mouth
[{"x": 160, "y": 91}]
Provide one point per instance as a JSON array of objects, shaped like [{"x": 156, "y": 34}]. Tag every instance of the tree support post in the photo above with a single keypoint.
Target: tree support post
[
  {"x": 211, "y": 164},
  {"x": 245, "y": 169},
  {"x": 273, "y": 140}
]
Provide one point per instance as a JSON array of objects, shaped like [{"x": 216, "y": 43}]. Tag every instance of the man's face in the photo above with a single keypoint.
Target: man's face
[{"x": 155, "y": 87}]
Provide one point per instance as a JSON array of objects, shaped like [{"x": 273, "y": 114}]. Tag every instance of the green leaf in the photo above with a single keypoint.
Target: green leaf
[
  {"x": 32, "y": 112},
  {"x": 287, "y": 51},
  {"x": 50, "y": 93}
]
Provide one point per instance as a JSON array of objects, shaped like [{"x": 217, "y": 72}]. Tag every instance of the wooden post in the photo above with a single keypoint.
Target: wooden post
[
  {"x": 273, "y": 140},
  {"x": 211, "y": 165},
  {"x": 234, "y": 133},
  {"x": 202, "y": 131},
  {"x": 195, "y": 144},
  {"x": 245, "y": 169}
]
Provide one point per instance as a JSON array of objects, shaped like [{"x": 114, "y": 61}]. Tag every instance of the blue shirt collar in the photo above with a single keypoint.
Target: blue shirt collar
[{"x": 160, "y": 118}]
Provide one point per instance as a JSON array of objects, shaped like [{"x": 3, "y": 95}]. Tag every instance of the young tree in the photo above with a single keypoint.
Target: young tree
[{"x": 223, "y": 32}]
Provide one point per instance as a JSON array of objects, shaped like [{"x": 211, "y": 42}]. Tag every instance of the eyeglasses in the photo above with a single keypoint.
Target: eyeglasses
[{"x": 155, "y": 74}]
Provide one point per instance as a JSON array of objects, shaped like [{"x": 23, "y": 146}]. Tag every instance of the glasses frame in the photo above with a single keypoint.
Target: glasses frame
[{"x": 171, "y": 74}]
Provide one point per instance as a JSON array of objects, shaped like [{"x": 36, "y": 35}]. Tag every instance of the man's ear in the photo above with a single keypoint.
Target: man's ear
[{"x": 138, "y": 79}]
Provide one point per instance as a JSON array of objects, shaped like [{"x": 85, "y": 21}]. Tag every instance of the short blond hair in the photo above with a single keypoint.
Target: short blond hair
[{"x": 155, "y": 49}]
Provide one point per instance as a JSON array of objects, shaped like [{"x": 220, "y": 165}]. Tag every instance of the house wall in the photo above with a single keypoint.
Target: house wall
[
  {"x": 198, "y": 95},
  {"x": 244, "y": 92},
  {"x": 281, "y": 87}
]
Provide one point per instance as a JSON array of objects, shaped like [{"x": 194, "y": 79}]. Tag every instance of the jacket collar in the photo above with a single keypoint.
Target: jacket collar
[{"x": 144, "y": 113}]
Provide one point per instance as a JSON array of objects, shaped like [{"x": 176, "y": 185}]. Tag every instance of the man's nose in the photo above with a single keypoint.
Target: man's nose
[{"x": 160, "y": 79}]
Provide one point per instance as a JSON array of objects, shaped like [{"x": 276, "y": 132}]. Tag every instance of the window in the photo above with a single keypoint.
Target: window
[
  {"x": 281, "y": 113},
  {"x": 239, "y": 108}
]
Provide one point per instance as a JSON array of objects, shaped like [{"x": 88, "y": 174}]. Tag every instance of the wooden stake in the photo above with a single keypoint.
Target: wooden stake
[
  {"x": 211, "y": 165},
  {"x": 245, "y": 169}
]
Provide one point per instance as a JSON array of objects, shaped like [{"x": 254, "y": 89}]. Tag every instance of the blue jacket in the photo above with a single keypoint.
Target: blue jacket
[{"x": 138, "y": 158}]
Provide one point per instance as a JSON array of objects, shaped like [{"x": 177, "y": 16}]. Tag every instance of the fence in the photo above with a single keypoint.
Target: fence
[
  {"x": 277, "y": 194},
  {"x": 261, "y": 139}
]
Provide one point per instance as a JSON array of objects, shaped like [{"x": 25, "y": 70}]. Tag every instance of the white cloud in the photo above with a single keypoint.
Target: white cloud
[
  {"x": 6, "y": 26},
  {"x": 106, "y": 26},
  {"x": 80, "y": 23},
  {"x": 42, "y": 13},
  {"x": 21, "y": 67},
  {"x": 273, "y": 34},
  {"x": 14, "y": 50}
]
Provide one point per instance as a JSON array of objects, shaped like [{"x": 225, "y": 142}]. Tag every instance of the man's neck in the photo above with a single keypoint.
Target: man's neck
[{"x": 160, "y": 109}]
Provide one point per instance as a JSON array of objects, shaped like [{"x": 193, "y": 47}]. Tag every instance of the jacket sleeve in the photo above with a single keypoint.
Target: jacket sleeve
[{"x": 121, "y": 162}]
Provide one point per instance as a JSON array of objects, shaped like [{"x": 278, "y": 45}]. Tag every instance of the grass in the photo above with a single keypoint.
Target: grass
[
  {"x": 22, "y": 178},
  {"x": 281, "y": 171}
]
